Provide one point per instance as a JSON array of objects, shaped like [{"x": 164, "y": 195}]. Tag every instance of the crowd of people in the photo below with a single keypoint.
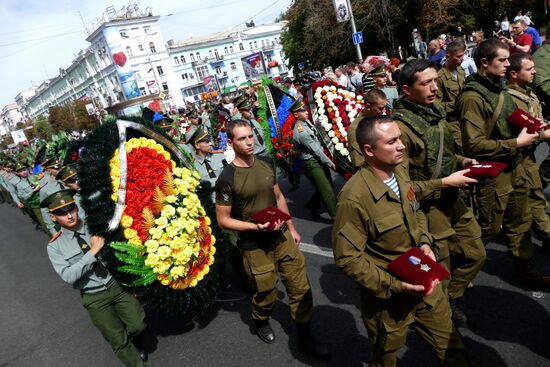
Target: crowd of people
[{"x": 426, "y": 122}]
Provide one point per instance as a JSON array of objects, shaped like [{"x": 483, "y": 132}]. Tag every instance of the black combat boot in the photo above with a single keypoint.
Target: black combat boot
[
  {"x": 308, "y": 344},
  {"x": 525, "y": 275},
  {"x": 458, "y": 317},
  {"x": 264, "y": 331}
]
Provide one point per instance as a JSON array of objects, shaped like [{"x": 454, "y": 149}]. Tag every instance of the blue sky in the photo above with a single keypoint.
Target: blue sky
[{"x": 38, "y": 37}]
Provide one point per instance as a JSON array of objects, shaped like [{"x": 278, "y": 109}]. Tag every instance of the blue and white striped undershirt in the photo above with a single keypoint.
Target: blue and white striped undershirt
[{"x": 392, "y": 183}]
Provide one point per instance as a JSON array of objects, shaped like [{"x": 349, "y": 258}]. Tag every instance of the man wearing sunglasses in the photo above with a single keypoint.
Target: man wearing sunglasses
[{"x": 76, "y": 257}]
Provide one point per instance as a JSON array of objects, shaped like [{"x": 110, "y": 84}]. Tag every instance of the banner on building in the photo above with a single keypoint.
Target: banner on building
[
  {"x": 125, "y": 73},
  {"x": 343, "y": 13},
  {"x": 19, "y": 136},
  {"x": 253, "y": 66},
  {"x": 208, "y": 83}
]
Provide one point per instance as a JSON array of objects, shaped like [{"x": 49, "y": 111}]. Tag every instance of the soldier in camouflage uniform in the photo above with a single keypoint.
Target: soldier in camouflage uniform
[
  {"x": 520, "y": 76},
  {"x": 482, "y": 108},
  {"x": 432, "y": 162}
]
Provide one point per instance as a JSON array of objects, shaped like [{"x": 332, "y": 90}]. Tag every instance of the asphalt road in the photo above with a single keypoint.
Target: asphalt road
[{"x": 43, "y": 323}]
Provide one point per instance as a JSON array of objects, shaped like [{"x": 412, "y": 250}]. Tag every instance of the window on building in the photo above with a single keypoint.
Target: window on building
[
  {"x": 225, "y": 51},
  {"x": 282, "y": 54},
  {"x": 210, "y": 54},
  {"x": 142, "y": 91},
  {"x": 159, "y": 70},
  {"x": 185, "y": 76},
  {"x": 198, "y": 55},
  {"x": 263, "y": 43},
  {"x": 233, "y": 66},
  {"x": 129, "y": 51},
  {"x": 176, "y": 60},
  {"x": 202, "y": 71},
  {"x": 123, "y": 34},
  {"x": 140, "y": 47},
  {"x": 231, "y": 49},
  {"x": 182, "y": 58},
  {"x": 152, "y": 47},
  {"x": 250, "y": 44},
  {"x": 276, "y": 40},
  {"x": 255, "y": 44},
  {"x": 237, "y": 79},
  {"x": 216, "y": 53},
  {"x": 164, "y": 86},
  {"x": 192, "y": 56},
  {"x": 218, "y": 70},
  {"x": 268, "y": 55},
  {"x": 241, "y": 46},
  {"x": 147, "y": 29}
]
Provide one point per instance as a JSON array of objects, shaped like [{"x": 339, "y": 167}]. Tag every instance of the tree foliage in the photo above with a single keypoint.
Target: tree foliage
[
  {"x": 313, "y": 35},
  {"x": 71, "y": 116},
  {"x": 42, "y": 128}
]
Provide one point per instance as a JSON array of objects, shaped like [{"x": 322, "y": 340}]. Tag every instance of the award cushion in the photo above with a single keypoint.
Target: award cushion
[
  {"x": 270, "y": 215},
  {"x": 416, "y": 268},
  {"x": 521, "y": 119},
  {"x": 485, "y": 170}
]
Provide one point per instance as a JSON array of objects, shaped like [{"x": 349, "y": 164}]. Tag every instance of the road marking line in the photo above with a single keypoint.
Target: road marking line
[{"x": 317, "y": 250}]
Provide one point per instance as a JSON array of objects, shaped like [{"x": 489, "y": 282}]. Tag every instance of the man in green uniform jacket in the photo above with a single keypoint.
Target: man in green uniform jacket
[
  {"x": 378, "y": 219},
  {"x": 520, "y": 76},
  {"x": 375, "y": 104},
  {"x": 242, "y": 103},
  {"x": 75, "y": 256},
  {"x": 482, "y": 108},
  {"x": 451, "y": 79},
  {"x": 541, "y": 57},
  {"x": 316, "y": 164},
  {"x": 432, "y": 162},
  {"x": 49, "y": 185}
]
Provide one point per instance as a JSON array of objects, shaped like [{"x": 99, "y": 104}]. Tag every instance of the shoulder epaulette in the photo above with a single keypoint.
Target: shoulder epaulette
[{"x": 55, "y": 237}]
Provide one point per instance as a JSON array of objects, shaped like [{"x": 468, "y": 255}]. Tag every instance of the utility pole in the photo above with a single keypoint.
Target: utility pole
[{"x": 354, "y": 30}]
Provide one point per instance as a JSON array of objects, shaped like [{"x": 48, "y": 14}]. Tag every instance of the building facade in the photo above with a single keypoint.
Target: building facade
[
  {"x": 129, "y": 58},
  {"x": 223, "y": 61},
  {"x": 9, "y": 118}
]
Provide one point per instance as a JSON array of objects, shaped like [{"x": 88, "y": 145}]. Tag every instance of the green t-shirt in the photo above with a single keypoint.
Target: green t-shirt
[{"x": 247, "y": 190}]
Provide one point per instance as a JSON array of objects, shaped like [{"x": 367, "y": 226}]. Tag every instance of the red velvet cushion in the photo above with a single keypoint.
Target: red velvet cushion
[
  {"x": 521, "y": 119},
  {"x": 485, "y": 169},
  {"x": 416, "y": 268},
  {"x": 270, "y": 215}
]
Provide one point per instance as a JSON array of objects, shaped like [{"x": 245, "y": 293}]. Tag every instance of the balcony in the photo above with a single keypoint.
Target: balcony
[
  {"x": 216, "y": 59},
  {"x": 199, "y": 62}
]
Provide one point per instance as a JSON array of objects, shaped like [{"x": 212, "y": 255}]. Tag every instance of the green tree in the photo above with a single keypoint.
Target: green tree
[
  {"x": 42, "y": 128},
  {"x": 83, "y": 121},
  {"x": 314, "y": 37}
]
